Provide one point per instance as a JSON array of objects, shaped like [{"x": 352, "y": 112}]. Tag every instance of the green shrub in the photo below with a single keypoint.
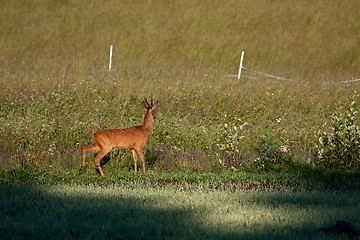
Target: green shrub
[
  {"x": 230, "y": 136},
  {"x": 273, "y": 155},
  {"x": 339, "y": 146}
]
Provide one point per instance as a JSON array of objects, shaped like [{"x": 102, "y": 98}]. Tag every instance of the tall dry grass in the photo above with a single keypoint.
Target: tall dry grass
[{"x": 312, "y": 41}]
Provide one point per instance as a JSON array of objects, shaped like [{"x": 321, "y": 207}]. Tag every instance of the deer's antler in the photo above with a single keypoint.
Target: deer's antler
[{"x": 147, "y": 103}]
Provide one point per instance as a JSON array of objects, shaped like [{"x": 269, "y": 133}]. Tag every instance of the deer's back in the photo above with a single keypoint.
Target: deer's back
[{"x": 122, "y": 138}]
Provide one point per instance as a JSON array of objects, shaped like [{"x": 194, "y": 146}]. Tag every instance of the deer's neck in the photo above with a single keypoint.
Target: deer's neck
[{"x": 148, "y": 122}]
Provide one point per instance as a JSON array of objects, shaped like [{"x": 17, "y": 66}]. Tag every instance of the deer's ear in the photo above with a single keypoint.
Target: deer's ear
[{"x": 155, "y": 105}]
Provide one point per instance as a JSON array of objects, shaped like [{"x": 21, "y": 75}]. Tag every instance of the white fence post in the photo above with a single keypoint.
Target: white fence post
[
  {"x": 241, "y": 63},
  {"x": 111, "y": 49}
]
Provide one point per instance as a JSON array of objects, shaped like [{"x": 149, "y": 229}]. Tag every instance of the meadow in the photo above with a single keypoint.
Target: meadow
[
  {"x": 170, "y": 212},
  {"x": 56, "y": 91}
]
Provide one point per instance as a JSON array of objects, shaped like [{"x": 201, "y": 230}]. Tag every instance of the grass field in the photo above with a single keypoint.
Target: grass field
[
  {"x": 39, "y": 204},
  {"x": 226, "y": 158},
  {"x": 180, "y": 211}
]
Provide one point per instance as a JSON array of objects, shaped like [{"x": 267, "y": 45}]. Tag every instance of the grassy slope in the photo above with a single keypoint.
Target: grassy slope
[{"x": 307, "y": 40}]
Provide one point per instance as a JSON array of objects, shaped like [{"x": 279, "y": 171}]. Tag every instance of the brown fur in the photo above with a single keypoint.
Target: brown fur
[{"x": 133, "y": 138}]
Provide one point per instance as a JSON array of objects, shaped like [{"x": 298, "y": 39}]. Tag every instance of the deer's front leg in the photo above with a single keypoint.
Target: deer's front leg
[
  {"x": 141, "y": 155},
  {"x": 135, "y": 159}
]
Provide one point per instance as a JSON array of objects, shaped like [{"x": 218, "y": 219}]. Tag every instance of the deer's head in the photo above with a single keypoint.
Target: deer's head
[{"x": 150, "y": 108}]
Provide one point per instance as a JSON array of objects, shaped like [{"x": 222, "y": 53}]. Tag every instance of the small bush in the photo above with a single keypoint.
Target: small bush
[
  {"x": 273, "y": 155},
  {"x": 229, "y": 141},
  {"x": 339, "y": 146}
]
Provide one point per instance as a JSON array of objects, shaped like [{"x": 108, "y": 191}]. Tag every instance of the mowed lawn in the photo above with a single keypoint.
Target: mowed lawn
[{"x": 172, "y": 211}]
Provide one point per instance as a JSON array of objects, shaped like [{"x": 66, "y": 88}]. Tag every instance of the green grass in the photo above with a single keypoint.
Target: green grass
[
  {"x": 137, "y": 211},
  {"x": 302, "y": 179}
]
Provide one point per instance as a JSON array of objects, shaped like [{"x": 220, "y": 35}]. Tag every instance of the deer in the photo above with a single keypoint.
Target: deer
[{"x": 133, "y": 138}]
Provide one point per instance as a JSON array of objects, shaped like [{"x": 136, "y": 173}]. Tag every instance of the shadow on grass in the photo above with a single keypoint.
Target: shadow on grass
[
  {"x": 29, "y": 212},
  {"x": 51, "y": 212}
]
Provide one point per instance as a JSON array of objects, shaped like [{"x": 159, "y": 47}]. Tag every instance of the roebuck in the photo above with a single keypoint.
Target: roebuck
[{"x": 133, "y": 138}]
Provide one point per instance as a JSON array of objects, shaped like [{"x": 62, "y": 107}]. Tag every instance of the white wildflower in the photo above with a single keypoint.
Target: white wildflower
[{"x": 284, "y": 149}]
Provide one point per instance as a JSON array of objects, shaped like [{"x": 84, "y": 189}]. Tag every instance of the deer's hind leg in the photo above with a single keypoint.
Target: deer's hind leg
[
  {"x": 85, "y": 150},
  {"x": 97, "y": 159}
]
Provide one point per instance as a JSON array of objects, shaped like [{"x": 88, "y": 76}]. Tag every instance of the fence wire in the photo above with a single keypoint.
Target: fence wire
[{"x": 288, "y": 79}]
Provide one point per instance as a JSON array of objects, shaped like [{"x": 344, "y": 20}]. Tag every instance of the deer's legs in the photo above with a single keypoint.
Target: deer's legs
[
  {"x": 135, "y": 159},
  {"x": 85, "y": 150},
  {"x": 139, "y": 152},
  {"x": 98, "y": 158}
]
